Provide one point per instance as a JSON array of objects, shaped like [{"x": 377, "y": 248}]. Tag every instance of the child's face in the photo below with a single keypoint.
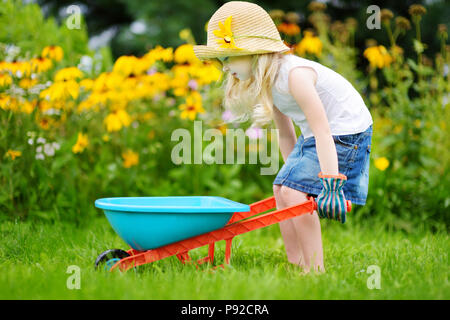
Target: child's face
[{"x": 239, "y": 66}]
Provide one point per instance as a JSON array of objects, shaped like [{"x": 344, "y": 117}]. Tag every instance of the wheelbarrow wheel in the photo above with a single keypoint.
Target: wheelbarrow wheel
[{"x": 109, "y": 258}]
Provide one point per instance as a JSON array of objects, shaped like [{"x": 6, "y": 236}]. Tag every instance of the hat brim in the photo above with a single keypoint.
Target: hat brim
[{"x": 203, "y": 52}]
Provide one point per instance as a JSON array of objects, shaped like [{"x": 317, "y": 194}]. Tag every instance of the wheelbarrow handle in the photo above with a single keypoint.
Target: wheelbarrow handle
[{"x": 349, "y": 205}]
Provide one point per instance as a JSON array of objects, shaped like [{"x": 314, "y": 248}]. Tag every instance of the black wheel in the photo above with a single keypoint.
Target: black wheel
[{"x": 109, "y": 258}]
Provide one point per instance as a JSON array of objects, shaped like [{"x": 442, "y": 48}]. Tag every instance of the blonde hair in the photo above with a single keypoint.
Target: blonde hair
[{"x": 252, "y": 98}]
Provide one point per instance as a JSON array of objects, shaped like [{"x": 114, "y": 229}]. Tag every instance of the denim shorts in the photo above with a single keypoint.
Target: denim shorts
[{"x": 301, "y": 169}]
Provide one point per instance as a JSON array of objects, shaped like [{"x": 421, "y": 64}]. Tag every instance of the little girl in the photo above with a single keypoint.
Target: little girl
[{"x": 330, "y": 159}]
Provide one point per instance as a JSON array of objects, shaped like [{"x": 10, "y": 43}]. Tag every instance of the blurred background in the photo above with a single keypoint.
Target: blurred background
[
  {"x": 86, "y": 85},
  {"x": 133, "y": 27}
]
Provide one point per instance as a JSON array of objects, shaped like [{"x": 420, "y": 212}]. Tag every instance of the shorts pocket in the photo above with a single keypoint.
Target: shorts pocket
[
  {"x": 346, "y": 150},
  {"x": 345, "y": 142}
]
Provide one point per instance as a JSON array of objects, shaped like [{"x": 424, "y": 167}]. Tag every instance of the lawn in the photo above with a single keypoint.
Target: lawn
[{"x": 34, "y": 259}]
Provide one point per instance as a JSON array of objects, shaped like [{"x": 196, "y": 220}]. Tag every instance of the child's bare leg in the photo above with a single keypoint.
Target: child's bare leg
[
  {"x": 291, "y": 242},
  {"x": 307, "y": 228}
]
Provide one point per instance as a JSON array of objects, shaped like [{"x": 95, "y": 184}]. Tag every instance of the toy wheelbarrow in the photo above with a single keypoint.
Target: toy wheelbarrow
[{"x": 159, "y": 227}]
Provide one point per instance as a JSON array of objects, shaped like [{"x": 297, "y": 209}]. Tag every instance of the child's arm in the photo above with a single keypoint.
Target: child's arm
[
  {"x": 286, "y": 132},
  {"x": 302, "y": 87},
  {"x": 331, "y": 199}
]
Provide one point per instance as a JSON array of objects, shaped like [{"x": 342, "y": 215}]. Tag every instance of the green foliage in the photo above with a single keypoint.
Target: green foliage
[
  {"x": 164, "y": 21},
  {"x": 25, "y": 27},
  {"x": 415, "y": 139},
  {"x": 408, "y": 100}
]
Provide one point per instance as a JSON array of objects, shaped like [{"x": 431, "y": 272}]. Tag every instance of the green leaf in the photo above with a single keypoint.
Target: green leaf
[
  {"x": 412, "y": 64},
  {"x": 419, "y": 47}
]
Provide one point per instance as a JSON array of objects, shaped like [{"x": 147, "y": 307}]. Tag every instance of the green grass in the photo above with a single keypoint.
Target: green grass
[{"x": 34, "y": 259}]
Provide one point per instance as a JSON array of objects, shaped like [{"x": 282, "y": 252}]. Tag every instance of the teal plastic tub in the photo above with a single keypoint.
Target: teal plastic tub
[{"x": 146, "y": 223}]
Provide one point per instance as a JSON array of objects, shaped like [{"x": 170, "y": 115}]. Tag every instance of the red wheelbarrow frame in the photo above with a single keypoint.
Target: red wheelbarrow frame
[{"x": 238, "y": 224}]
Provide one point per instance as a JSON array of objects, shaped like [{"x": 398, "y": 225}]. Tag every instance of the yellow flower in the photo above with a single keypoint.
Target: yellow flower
[
  {"x": 378, "y": 56},
  {"x": 40, "y": 64},
  {"x": 112, "y": 122},
  {"x": 131, "y": 66},
  {"x": 5, "y": 80},
  {"x": 115, "y": 120},
  {"x": 206, "y": 73},
  {"x": 223, "y": 128},
  {"x": 185, "y": 53},
  {"x": 26, "y": 83},
  {"x": 17, "y": 68},
  {"x": 398, "y": 128},
  {"x": 382, "y": 163},
  {"x": 5, "y": 101},
  {"x": 226, "y": 36},
  {"x": 125, "y": 65},
  {"x": 4, "y": 66},
  {"x": 186, "y": 35},
  {"x": 107, "y": 81},
  {"x": 87, "y": 84},
  {"x": 310, "y": 44},
  {"x": 53, "y": 52},
  {"x": 105, "y": 138},
  {"x": 81, "y": 143},
  {"x": 124, "y": 117},
  {"x": 179, "y": 82},
  {"x": 192, "y": 106},
  {"x": 130, "y": 158},
  {"x": 70, "y": 73},
  {"x": 159, "y": 53},
  {"x": 64, "y": 86},
  {"x": 148, "y": 115},
  {"x": 28, "y": 106},
  {"x": 61, "y": 90},
  {"x": 44, "y": 123},
  {"x": 157, "y": 82},
  {"x": 13, "y": 154}
]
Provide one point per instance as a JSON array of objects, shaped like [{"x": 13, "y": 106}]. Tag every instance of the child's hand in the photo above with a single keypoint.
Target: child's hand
[{"x": 331, "y": 202}]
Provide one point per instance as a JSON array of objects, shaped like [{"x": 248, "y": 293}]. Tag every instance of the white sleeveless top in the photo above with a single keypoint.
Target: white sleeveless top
[{"x": 344, "y": 106}]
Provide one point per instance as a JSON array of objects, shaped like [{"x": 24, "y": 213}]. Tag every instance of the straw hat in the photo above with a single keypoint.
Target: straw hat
[{"x": 240, "y": 28}]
